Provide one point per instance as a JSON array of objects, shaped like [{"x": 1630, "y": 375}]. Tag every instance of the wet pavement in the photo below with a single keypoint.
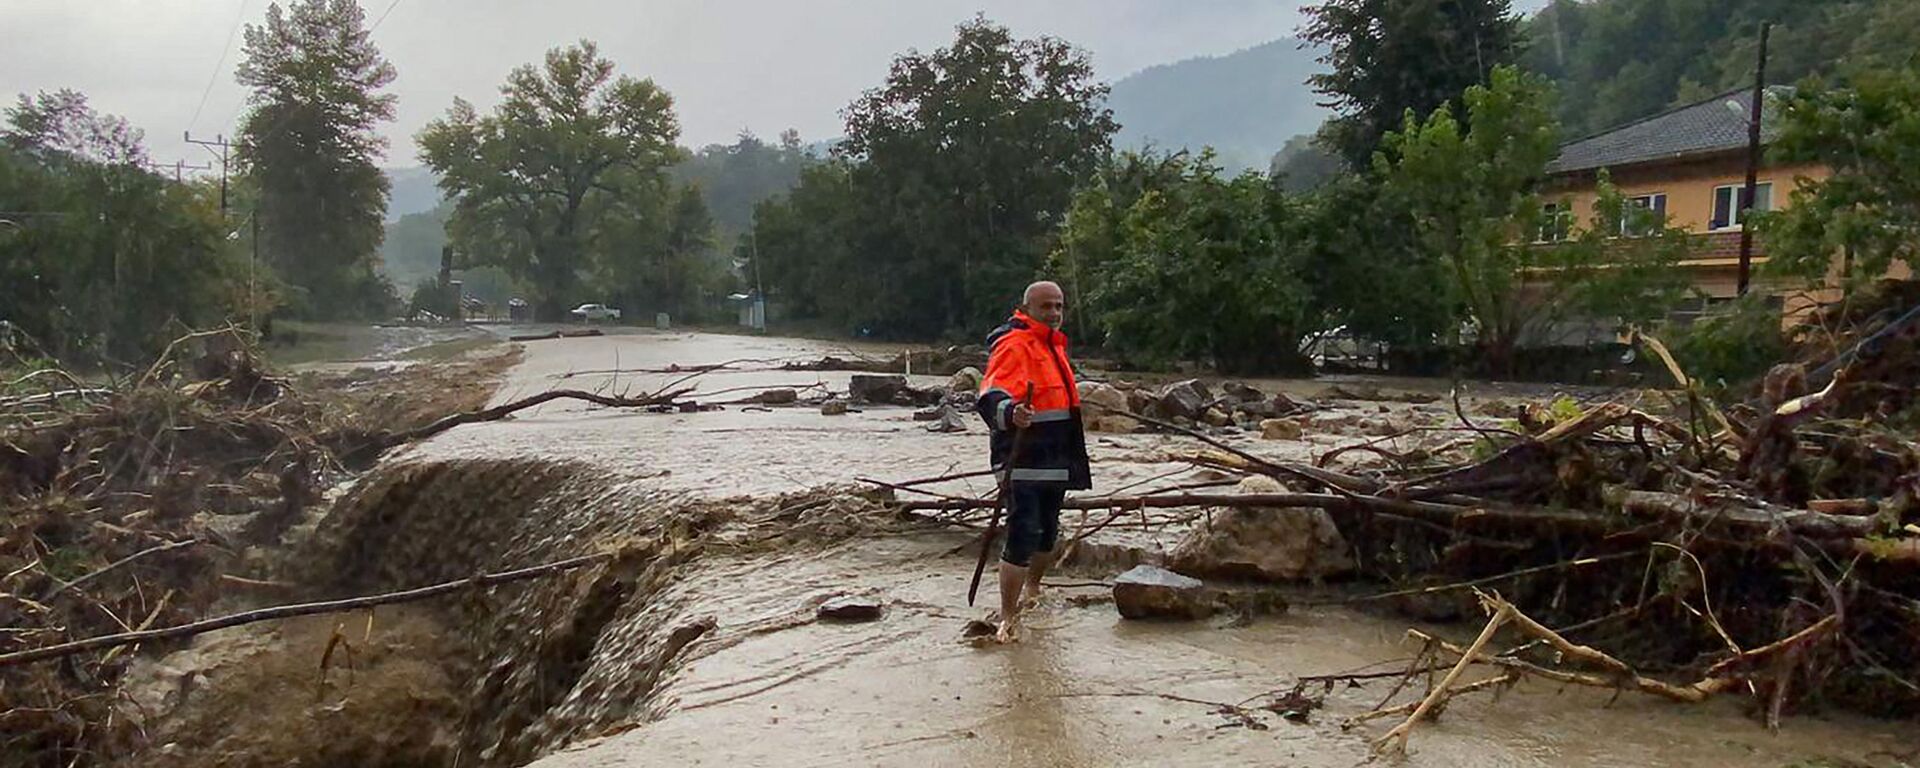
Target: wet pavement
[{"x": 772, "y": 687}]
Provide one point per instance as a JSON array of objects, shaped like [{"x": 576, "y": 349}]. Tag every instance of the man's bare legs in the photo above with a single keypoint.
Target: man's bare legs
[
  {"x": 1019, "y": 590},
  {"x": 1012, "y": 578}
]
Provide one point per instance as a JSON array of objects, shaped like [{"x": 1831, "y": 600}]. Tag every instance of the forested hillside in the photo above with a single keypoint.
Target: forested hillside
[
  {"x": 1245, "y": 105},
  {"x": 1619, "y": 60}
]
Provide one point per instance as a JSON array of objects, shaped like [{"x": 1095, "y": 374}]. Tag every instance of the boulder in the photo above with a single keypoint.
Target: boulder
[
  {"x": 1281, "y": 429},
  {"x": 965, "y": 380},
  {"x": 833, "y": 408},
  {"x": 1139, "y": 400},
  {"x": 1184, "y": 399},
  {"x": 851, "y": 608},
  {"x": 777, "y": 397},
  {"x": 1241, "y": 393},
  {"x": 1102, "y": 399},
  {"x": 1151, "y": 592},
  {"x": 1215, "y": 417},
  {"x": 876, "y": 388},
  {"x": 1264, "y": 543}
]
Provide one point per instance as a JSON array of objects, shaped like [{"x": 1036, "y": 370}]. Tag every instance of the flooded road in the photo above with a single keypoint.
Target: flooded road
[{"x": 771, "y": 686}]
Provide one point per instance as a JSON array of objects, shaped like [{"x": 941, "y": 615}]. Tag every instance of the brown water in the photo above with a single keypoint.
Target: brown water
[{"x": 587, "y": 668}]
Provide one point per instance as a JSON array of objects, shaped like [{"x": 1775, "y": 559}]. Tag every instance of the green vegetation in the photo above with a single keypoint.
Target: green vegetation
[
  {"x": 100, "y": 260},
  {"x": 951, "y": 176},
  {"x": 307, "y": 148}
]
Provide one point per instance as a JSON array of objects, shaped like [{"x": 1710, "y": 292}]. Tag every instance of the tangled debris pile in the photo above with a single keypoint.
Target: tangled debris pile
[
  {"x": 1770, "y": 549},
  {"x": 140, "y": 503}
]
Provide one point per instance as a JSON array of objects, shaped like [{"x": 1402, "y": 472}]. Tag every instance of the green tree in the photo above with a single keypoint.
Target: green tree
[
  {"x": 308, "y": 150},
  {"x": 569, "y": 147},
  {"x": 100, "y": 260},
  {"x": 961, "y": 164},
  {"x": 1193, "y": 267},
  {"x": 1388, "y": 57},
  {"x": 1472, "y": 194},
  {"x": 734, "y": 178},
  {"x": 1868, "y": 135}
]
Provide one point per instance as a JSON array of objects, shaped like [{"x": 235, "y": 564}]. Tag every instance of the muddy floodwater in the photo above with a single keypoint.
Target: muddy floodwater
[{"x": 768, "y": 686}]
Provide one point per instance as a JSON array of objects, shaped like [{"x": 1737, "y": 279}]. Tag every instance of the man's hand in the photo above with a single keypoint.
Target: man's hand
[{"x": 1023, "y": 416}]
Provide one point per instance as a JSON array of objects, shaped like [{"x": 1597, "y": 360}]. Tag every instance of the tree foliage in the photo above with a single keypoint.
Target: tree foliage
[
  {"x": 735, "y": 178},
  {"x": 1868, "y": 136},
  {"x": 1388, "y": 57},
  {"x": 570, "y": 149},
  {"x": 1471, "y": 192},
  {"x": 308, "y": 151},
  {"x": 1176, "y": 262},
  {"x": 952, "y": 174},
  {"x": 101, "y": 260},
  {"x": 1627, "y": 59}
]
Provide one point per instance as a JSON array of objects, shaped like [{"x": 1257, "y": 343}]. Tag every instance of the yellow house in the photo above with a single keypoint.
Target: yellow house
[{"x": 1690, "y": 164}]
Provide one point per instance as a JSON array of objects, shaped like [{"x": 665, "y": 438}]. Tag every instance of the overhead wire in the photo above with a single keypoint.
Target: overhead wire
[{"x": 213, "y": 77}]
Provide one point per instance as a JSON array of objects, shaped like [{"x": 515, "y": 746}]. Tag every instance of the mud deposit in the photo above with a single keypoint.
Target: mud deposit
[{"x": 696, "y": 643}]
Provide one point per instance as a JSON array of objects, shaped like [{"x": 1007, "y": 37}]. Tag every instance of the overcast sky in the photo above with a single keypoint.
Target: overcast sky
[{"x": 764, "y": 65}]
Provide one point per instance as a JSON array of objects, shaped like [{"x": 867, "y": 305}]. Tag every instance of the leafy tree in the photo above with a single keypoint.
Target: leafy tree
[
  {"x": 1303, "y": 165},
  {"x": 1869, "y": 209},
  {"x": 100, "y": 260},
  {"x": 961, "y": 164},
  {"x": 1388, "y": 57},
  {"x": 1196, "y": 267},
  {"x": 734, "y": 178},
  {"x": 569, "y": 147},
  {"x": 308, "y": 150},
  {"x": 1472, "y": 190}
]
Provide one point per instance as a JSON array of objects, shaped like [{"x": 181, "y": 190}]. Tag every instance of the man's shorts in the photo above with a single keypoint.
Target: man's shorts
[{"x": 1033, "y": 521}]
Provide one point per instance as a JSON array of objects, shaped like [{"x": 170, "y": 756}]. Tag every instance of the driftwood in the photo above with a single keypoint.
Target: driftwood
[{"x": 289, "y": 611}]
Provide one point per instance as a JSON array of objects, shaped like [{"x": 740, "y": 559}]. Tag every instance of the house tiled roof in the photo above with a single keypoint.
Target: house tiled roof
[{"x": 1706, "y": 127}]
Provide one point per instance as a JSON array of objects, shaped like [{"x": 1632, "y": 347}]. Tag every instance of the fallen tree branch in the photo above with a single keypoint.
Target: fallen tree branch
[
  {"x": 495, "y": 413},
  {"x": 289, "y": 611},
  {"x": 1395, "y": 741}
]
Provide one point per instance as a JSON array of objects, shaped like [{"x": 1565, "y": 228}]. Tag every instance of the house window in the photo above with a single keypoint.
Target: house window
[
  {"x": 1556, "y": 223},
  {"x": 1644, "y": 215},
  {"x": 1726, "y": 215}
]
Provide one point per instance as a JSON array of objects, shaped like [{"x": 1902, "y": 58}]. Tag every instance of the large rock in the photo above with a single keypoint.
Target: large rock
[
  {"x": 1151, "y": 592},
  {"x": 851, "y": 608},
  {"x": 876, "y": 388},
  {"x": 1264, "y": 543},
  {"x": 1281, "y": 429},
  {"x": 1101, "y": 399},
  {"x": 1241, "y": 393},
  {"x": 965, "y": 380},
  {"x": 781, "y": 396},
  {"x": 1184, "y": 399}
]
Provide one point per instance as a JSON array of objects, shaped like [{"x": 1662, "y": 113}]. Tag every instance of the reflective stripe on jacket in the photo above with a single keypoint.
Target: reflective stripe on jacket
[{"x": 1053, "y": 450}]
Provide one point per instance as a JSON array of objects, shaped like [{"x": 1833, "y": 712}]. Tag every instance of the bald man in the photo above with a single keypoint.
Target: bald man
[{"x": 1032, "y": 406}]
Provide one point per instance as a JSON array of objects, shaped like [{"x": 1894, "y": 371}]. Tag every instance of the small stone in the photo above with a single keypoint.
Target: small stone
[
  {"x": 1281, "y": 429},
  {"x": 1215, "y": 417},
  {"x": 833, "y": 408},
  {"x": 851, "y": 608},
  {"x": 1151, "y": 592}
]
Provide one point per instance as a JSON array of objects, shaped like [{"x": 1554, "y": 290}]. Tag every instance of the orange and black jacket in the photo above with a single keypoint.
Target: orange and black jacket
[{"x": 1053, "y": 451}]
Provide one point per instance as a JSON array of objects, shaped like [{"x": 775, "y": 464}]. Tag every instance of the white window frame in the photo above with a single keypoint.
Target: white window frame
[
  {"x": 1556, "y": 217},
  {"x": 1656, "y": 201},
  {"x": 1733, "y": 201}
]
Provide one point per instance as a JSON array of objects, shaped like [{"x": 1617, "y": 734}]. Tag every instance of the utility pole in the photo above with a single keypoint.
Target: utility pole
[
  {"x": 253, "y": 267},
  {"x": 221, "y": 142},
  {"x": 1745, "y": 204},
  {"x": 180, "y": 167}
]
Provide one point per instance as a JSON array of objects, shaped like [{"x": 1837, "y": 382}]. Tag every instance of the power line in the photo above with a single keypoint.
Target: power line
[
  {"x": 383, "y": 16},
  {"x": 214, "y": 77}
]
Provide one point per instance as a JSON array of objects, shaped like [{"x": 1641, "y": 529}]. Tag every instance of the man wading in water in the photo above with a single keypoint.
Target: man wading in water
[{"x": 1041, "y": 439}]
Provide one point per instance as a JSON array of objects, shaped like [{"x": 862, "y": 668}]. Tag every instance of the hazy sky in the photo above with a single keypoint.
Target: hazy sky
[{"x": 766, "y": 65}]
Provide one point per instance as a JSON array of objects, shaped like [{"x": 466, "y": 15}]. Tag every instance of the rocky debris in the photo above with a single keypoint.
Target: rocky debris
[
  {"x": 1240, "y": 393},
  {"x": 965, "y": 380},
  {"x": 1380, "y": 427},
  {"x": 1371, "y": 393},
  {"x": 1266, "y": 544},
  {"x": 833, "y": 408},
  {"x": 777, "y": 397},
  {"x": 878, "y": 389},
  {"x": 1186, "y": 399},
  {"x": 1152, "y": 592},
  {"x": 1104, "y": 398},
  {"x": 1214, "y": 417},
  {"x": 947, "y": 419},
  {"x": 1138, "y": 400},
  {"x": 1281, "y": 429},
  {"x": 851, "y": 608}
]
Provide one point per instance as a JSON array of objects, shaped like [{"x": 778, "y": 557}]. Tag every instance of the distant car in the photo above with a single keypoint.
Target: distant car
[{"x": 588, "y": 313}]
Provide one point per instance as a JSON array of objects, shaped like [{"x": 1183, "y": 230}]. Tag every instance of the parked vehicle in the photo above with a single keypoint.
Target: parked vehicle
[{"x": 589, "y": 313}]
